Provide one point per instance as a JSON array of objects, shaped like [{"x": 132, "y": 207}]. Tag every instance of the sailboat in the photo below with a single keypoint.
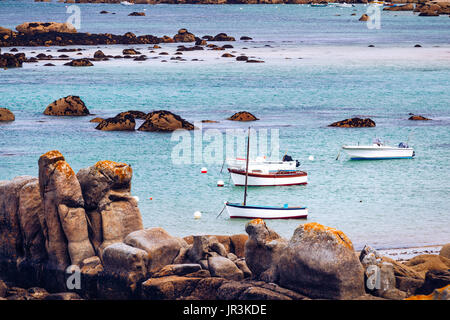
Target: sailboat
[{"x": 243, "y": 210}]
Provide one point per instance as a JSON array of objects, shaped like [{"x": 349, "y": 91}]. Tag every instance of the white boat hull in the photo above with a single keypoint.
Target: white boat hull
[
  {"x": 259, "y": 180},
  {"x": 257, "y": 212},
  {"x": 377, "y": 152}
]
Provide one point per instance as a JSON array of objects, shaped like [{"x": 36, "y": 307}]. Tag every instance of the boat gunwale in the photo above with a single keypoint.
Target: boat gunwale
[
  {"x": 293, "y": 174},
  {"x": 237, "y": 205}
]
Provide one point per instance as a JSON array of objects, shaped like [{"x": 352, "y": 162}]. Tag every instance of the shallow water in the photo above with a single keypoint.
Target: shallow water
[{"x": 393, "y": 203}]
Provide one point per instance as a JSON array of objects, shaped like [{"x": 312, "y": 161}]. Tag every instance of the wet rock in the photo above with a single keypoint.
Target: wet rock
[
  {"x": 364, "y": 17},
  {"x": 418, "y": 118},
  {"x": 96, "y": 120},
  {"x": 99, "y": 54},
  {"x": 245, "y": 38},
  {"x": 49, "y": 65},
  {"x": 67, "y": 106},
  {"x": 63, "y": 296},
  {"x": 184, "y": 36},
  {"x": 242, "y": 58},
  {"x": 316, "y": 255},
  {"x": 79, "y": 63},
  {"x": 434, "y": 279},
  {"x": 140, "y": 58},
  {"x": 9, "y": 60},
  {"x": 254, "y": 61},
  {"x": 222, "y": 37},
  {"x": 134, "y": 113},
  {"x": 227, "y": 55},
  {"x": 437, "y": 294},
  {"x": 163, "y": 120},
  {"x": 6, "y": 115},
  {"x": 243, "y": 116},
  {"x": 354, "y": 123},
  {"x": 117, "y": 123},
  {"x": 44, "y": 27},
  {"x": 137, "y": 14},
  {"x": 130, "y": 52}
]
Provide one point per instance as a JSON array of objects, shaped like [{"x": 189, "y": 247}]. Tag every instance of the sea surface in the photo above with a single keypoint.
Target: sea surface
[{"x": 318, "y": 69}]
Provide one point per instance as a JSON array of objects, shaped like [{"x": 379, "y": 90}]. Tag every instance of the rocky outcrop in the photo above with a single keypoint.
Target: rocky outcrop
[
  {"x": 433, "y": 8},
  {"x": 163, "y": 120},
  {"x": 243, "y": 116},
  {"x": 137, "y": 14},
  {"x": 99, "y": 54},
  {"x": 263, "y": 250},
  {"x": 364, "y": 17},
  {"x": 96, "y": 120},
  {"x": 44, "y": 27},
  {"x": 6, "y": 115},
  {"x": 222, "y": 37},
  {"x": 136, "y": 114},
  {"x": 316, "y": 255},
  {"x": 161, "y": 247},
  {"x": 67, "y": 106},
  {"x": 113, "y": 213},
  {"x": 65, "y": 224},
  {"x": 79, "y": 63},
  {"x": 184, "y": 36},
  {"x": 405, "y": 7},
  {"x": 130, "y": 52},
  {"x": 118, "y": 123},
  {"x": 9, "y": 60},
  {"x": 445, "y": 251},
  {"x": 418, "y": 118},
  {"x": 354, "y": 123}
]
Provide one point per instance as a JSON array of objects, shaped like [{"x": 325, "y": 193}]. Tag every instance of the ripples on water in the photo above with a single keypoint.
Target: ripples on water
[{"x": 382, "y": 203}]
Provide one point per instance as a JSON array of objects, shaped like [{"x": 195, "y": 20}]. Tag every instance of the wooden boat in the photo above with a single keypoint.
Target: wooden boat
[
  {"x": 279, "y": 178},
  {"x": 379, "y": 151},
  {"x": 237, "y": 210}
]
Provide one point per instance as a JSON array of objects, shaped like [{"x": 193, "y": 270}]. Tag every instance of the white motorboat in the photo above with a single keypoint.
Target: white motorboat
[
  {"x": 379, "y": 151},
  {"x": 126, "y": 3},
  {"x": 238, "y": 210},
  {"x": 262, "y": 165}
]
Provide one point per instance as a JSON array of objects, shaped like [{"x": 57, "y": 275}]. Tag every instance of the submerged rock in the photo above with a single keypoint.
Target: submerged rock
[
  {"x": 6, "y": 115},
  {"x": 364, "y": 17},
  {"x": 354, "y": 123},
  {"x": 418, "y": 118},
  {"x": 79, "y": 63},
  {"x": 67, "y": 106},
  {"x": 118, "y": 123},
  {"x": 137, "y": 14},
  {"x": 163, "y": 120},
  {"x": 243, "y": 116}
]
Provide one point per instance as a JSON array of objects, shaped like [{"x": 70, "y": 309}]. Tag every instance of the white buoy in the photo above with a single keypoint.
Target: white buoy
[
  {"x": 311, "y": 158},
  {"x": 220, "y": 183},
  {"x": 197, "y": 215},
  {"x": 204, "y": 170}
]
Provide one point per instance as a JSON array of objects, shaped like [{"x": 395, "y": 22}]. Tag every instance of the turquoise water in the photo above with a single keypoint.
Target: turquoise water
[{"x": 382, "y": 203}]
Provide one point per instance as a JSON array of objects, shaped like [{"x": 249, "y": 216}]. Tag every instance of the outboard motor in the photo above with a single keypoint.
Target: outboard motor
[{"x": 297, "y": 163}]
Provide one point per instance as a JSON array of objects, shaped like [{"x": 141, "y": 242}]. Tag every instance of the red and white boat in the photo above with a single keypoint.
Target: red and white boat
[
  {"x": 262, "y": 172},
  {"x": 279, "y": 178}
]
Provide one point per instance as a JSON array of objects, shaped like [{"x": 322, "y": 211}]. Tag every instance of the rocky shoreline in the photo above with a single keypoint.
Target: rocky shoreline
[{"x": 67, "y": 235}]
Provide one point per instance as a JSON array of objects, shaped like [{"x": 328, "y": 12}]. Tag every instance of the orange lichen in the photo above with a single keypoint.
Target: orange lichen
[
  {"x": 52, "y": 154},
  {"x": 121, "y": 170},
  {"x": 63, "y": 167},
  {"x": 337, "y": 234},
  {"x": 436, "y": 295},
  {"x": 257, "y": 221}
]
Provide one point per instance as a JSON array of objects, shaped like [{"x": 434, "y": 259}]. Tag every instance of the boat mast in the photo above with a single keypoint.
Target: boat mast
[{"x": 246, "y": 167}]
